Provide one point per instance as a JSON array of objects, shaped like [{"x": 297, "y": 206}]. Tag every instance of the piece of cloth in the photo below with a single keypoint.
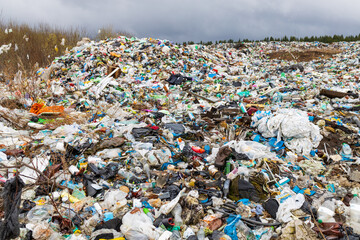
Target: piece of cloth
[
  {"x": 221, "y": 156},
  {"x": 230, "y": 228}
]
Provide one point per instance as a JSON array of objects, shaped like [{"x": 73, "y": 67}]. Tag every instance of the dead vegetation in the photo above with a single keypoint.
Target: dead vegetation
[
  {"x": 305, "y": 55},
  {"x": 28, "y": 46}
]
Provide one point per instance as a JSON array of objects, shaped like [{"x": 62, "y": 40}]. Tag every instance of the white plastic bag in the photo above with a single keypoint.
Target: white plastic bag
[
  {"x": 253, "y": 150},
  {"x": 292, "y": 203},
  {"x": 298, "y": 133},
  {"x": 114, "y": 196},
  {"x": 137, "y": 224}
]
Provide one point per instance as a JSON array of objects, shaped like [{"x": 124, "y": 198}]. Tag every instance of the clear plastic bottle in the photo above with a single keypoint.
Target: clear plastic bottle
[
  {"x": 245, "y": 230},
  {"x": 176, "y": 212},
  {"x": 356, "y": 120},
  {"x": 226, "y": 187},
  {"x": 148, "y": 213},
  {"x": 201, "y": 233},
  {"x": 176, "y": 234},
  {"x": 326, "y": 212},
  {"x": 147, "y": 171}
]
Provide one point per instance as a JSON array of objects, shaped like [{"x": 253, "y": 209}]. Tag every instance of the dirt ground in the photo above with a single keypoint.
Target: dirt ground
[{"x": 304, "y": 55}]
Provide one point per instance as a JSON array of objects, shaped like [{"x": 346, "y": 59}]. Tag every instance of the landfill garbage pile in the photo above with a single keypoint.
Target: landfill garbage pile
[{"x": 143, "y": 139}]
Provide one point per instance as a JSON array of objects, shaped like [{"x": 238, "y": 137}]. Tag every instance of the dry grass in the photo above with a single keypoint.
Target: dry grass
[{"x": 32, "y": 46}]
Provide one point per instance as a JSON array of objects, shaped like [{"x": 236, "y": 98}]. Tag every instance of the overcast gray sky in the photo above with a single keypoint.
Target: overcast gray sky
[{"x": 184, "y": 20}]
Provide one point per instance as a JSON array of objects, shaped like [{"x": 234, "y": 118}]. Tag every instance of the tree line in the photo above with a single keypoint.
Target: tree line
[{"x": 323, "y": 39}]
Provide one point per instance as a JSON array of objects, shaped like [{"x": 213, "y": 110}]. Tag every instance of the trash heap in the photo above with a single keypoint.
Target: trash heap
[{"x": 144, "y": 139}]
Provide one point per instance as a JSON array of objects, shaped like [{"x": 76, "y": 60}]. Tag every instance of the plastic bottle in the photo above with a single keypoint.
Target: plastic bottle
[
  {"x": 346, "y": 151},
  {"x": 355, "y": 214},
  {"x": 147, "y": 171},
  {"x": 176, "y": 234},
  {"x": 181, "y": 143},
  {"x": 148, "y": 213},
  {"x": 176, "y": 212},
  {"x": 207, "y": 149},
  {"x": 201, "y": 233},
  {"x": 326, "y": 212},
  {"x": 98, "y": 209},
  {"x": 164, "y": 195},
  {"x": 226, "y": 187},
  {"x": 245, "y": 230},
  {"x": 356, "y": 120}
]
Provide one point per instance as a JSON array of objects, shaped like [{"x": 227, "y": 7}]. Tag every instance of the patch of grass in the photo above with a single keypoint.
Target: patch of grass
[{"x": 30, "y": 46}]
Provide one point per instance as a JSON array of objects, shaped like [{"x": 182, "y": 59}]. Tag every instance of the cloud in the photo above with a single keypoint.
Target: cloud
[{"x": 193, "y": 19}]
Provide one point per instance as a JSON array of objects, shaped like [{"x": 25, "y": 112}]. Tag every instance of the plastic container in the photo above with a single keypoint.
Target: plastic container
[
  {"x": 176, "y": 212},
  {"x": 40, "y": 213},
  {"x": 201, "y": 233},
  {"x": 245, "y": 230},
  {"x": 226, "y": 187},
  {"x": 326, "y": 212}
]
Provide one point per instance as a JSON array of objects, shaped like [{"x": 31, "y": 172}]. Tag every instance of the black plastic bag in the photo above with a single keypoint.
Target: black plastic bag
[
  {"x": 10, "y": 227},
  {"x": 143, "y": 132},
  {"x": 177, "y": 79},
  {"x": 175, "y": 127}
]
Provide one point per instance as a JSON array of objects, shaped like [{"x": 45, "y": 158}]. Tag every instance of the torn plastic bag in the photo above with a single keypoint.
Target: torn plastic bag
[
  {"x": 177, "y": 79},
  {"x": 136, "y": 223},
  {"x": 253, "y": 150},
  {"x": 27, "y": 206},
  {"x": 10, "y": 227},
  {"x": 92, "y": 189},
  {"x": 292, "y": 203},
  {"x": 109, "y": 171},
  {"x": 240, "y": 188},
  {"x": 143, "y": 132},
  {"x": 271, "y": 206},
  {"x": 40, "y": 213},
  {"x": 166, "y": 208},
  {"x": 29, "y": 175},
  {"x": 176, "y": 128},
  {"x": 110, "y": 143},
  {"x": 114, "y": 223},
  {"x": 73, "y": 151},
  {"x": 114, "y": 197},
  {"x": 292, "y": 125}
]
